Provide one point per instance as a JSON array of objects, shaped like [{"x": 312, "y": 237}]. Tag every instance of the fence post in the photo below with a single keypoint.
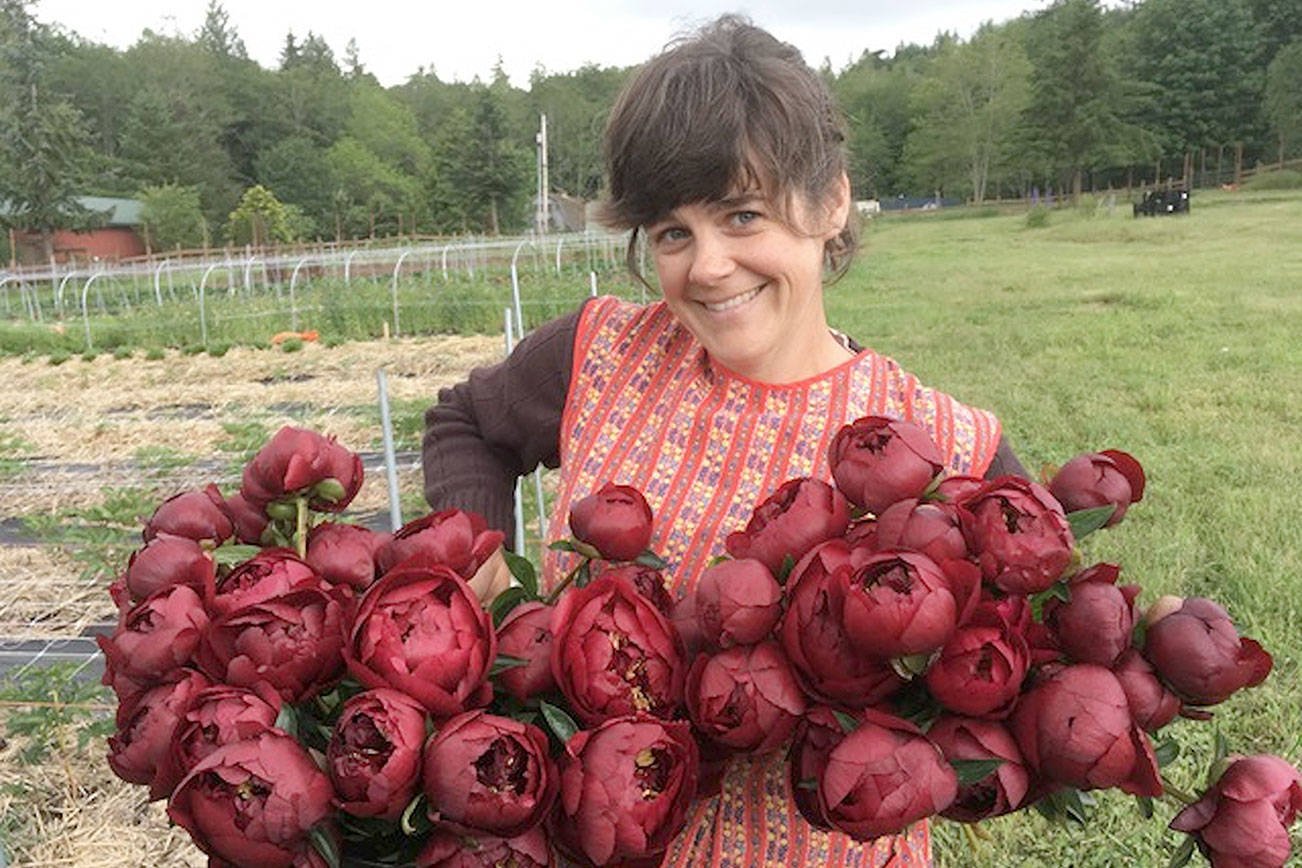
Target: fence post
[
  {"x": 592, "y": 283},
  {"x": 348, "y": 263},
  {"x": 515, "y": 288},
  {"x": 203, "y": 314},
  {"x": 293, "y": 307},
  {"x": 85, "y": 313},
  {"x": 390, "y": 461},
  {"x": 559, "y": 242},
  {"x": 519, "y": 499},
  {"x": 397, "y": 266},
  {"x": 158, "y": 282}
]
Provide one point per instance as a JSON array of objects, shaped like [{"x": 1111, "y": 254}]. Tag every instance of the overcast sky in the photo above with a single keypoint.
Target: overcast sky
[{"x": 463, "y": 39}]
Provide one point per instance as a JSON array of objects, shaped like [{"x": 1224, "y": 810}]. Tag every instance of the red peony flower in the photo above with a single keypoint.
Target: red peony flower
[
  {"x": 447, "y": 849},
  {"x": 816, "y": 734},
  {"x": 1074, "y": 727},
  {"x": 298, "y": 462},
  {"x": 1018, "y": 533},
  {"x": 527, "y": 634},
  {"x": 932, "y": 529},
  {"x": 270, "y": 573},
  {"x": 877, "y": 461},
  {"x": 1151, "y": 704},
  {"x": 1002, "y": 791},
  {"x": 166, "y": 561},
  {"x": 249, "y": 519},
  {"x": 614, "y": 653},
  {"x": 157, "y": 635},
  {"x": 344, "y": 554},
  {"x": 1097, "y": 479},
  {"x": 812, "y": 632},
  {"x": 456, "y": 539},
  {"x": 138, "y": 751},
  {"x": 883, "y": 776},
  {"x": 980, "y": 670},
  {"x": 1244, "y": 818},
  {"x": 737, "y": 603},
  {"x": 374, "y": 755},
  {"x": 897, "y": 603},
  {"x": 802, "y": 513},
  {"x": 615, "y": 520},
  {"x": 489, "y": 773},
  {"x": 745, "y": 697},
  {"x": 421, "y": 630},
  {"x": 625, "y": 789},
  {"x": 1095, "y": 625},
  {"x": 292, "y": 642},
  {"x": 649, "y": 582},
  {"x": 216, "y": 716},
  {"x": 1198, "y": 652},
  {"x": 252, "y": 802},
  {"x": 197, "y": 515}
]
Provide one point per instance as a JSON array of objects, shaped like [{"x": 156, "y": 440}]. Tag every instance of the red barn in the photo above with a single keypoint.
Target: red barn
[{"x": 118, "y": 237}]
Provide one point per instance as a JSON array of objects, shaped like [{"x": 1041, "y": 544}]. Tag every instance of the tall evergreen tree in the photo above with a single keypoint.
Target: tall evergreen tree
[
  {"x": 218, "y": 35},
  {"x": 43, "y": 145}
]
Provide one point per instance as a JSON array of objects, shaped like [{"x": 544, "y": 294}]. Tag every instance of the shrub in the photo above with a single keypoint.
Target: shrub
[
  {"x": 291, "y": 345},
  {"x": 89, "y": 356},
  {"x": 122, "y": 353},
  {"x": 218, "y": 350},
  {"x": 154, "y": 354},
  {"x": 58, "y": 357},
  {"x": 1037, "y": 217},
  {"x": 191, "y": 349}
]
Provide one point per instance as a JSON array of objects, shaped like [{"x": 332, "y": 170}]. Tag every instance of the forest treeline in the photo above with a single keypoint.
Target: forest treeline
[{"x": 217, "y": 146}]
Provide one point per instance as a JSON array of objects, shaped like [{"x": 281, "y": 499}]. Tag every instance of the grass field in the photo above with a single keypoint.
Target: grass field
[{"x": 1176, "y": 339}]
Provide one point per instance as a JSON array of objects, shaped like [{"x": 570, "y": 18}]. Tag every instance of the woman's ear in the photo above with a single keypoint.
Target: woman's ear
[{"x": 838, "y": 207}]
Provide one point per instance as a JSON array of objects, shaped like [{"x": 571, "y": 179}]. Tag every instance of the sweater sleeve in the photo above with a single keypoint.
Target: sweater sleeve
[{"x": 499, "y": 424}]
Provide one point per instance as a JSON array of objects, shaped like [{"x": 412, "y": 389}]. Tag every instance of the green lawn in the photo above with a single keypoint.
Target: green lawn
[{"x": 1176, "y": 339}]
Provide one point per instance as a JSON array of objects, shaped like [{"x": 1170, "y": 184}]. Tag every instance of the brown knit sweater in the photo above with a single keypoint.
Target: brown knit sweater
[{"x": 505, "y": 420}]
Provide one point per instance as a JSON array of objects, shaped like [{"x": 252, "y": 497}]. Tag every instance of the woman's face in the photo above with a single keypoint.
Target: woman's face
[{"x": 748, "y": 285}]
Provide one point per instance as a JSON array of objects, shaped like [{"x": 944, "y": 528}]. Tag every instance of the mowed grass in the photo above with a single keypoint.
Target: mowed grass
[{"x": 1177, "y": 339}]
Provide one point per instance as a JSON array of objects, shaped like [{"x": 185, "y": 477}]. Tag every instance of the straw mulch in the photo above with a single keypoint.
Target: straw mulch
[{"x": 82, "y": 426}]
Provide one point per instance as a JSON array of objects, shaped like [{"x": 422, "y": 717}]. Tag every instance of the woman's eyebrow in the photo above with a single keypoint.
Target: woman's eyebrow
[{"x": 737, "y": 201}]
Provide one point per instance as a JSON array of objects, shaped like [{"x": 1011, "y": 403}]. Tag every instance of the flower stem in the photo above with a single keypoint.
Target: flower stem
[
  {"x": 1177, "y": 793},
  {"x": 300, "y": 530},
  {"x": 565, "y": 582}
]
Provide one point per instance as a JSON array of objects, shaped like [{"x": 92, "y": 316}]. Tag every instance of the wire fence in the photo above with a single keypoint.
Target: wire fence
[{"x": 459, "y": 285}]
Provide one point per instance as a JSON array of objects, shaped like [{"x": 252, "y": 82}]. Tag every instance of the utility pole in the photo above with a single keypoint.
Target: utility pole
[{"x": 542, "y": 215}]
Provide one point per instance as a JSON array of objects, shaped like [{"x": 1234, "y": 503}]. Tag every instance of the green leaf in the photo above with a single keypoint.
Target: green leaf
[
  {"x": 523, "y": 570},
  {"x": 229, "y": 556},
  {"x": 718, "y": 559},
  {"x": 1059, "y": 590},
  {"x": 282, "y": 511},
  {"x": 1145, "y": 807},
  {"x": 415, "y": 819},
  {"x": 1183, "y": 854},
  {"x": 586, "y": 550},
  {"x": 561, "y": 545},
  {"x": 1076, "y": 805},
  {"x": 1166, "y": 751},
  {"x": 325, "y": 844},
  {"x": 1085, "y": 521},
  {"x": 972, "y": 771},
  {"x": 849, "y": 723},
  {"x": 560, "y": 723},
  {"x": 650, "y": 559},
  {"x": 504, "y": 602},
  {"x": 807, "y": 784},
  {"x": 584, "y": 575},
  {"x": 504, "y": 662},
  {"x": 287, "y": 720},
  {"x": 910, "y": 667},
  {"x": 788, "y": 563}
]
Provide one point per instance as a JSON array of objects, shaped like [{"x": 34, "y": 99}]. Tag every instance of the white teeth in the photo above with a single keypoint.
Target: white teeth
[{"x": 735, "y": 301}]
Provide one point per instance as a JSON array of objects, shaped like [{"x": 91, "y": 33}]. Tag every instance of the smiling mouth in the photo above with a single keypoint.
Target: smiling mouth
[{"x": 734, "y": 302}]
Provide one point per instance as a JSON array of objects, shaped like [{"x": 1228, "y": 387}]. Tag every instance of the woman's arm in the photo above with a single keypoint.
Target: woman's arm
[
  {"x": 1005, "y": 462},
  {"x": 498, "y": 425}
]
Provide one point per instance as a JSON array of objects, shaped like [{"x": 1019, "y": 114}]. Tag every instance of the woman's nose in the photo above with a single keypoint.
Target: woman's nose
[{"x": 712, "y": 259}]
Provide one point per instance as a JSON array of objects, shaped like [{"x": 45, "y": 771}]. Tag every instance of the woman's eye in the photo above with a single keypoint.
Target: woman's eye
[
  {"x": 671, "y": 235},
  {"x": 741, "y": 218}
]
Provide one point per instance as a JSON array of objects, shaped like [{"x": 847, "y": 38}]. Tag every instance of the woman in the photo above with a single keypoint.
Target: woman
[{"x": 727, "y": 151}]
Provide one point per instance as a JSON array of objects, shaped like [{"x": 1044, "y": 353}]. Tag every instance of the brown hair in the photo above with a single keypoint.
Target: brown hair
[{"x": 728, "y": 107}]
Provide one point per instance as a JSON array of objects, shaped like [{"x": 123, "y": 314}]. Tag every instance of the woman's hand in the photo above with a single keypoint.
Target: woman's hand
[{"x": 492, "y": 578}]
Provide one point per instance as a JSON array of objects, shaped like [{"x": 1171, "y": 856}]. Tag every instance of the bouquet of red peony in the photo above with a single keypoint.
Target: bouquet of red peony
[{"x": 304, "y": 692}]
